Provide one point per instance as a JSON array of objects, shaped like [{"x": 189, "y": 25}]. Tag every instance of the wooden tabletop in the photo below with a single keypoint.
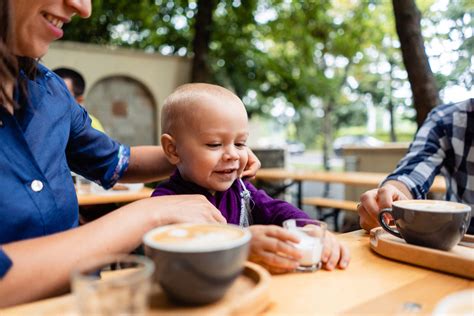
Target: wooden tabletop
[
  {"x": 113, "y": 197},
  {"x": 368, "y": 179},
  {"x": 371, "y": 285}
]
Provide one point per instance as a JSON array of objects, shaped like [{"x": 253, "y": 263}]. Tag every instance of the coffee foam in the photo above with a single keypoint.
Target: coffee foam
[
  {"x": 433, "y": 206},
  {"x": 196, "y": 237}
]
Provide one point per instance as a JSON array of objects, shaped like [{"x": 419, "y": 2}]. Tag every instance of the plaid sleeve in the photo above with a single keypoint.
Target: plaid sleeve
[
  {"x": 5, "y": 263},
  {"x": 425, "y": 157}
]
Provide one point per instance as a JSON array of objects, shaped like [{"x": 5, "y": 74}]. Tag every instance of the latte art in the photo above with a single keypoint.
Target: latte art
[
  {"x": 432, "y": 206},
  {"x": 199, "y": 238}
]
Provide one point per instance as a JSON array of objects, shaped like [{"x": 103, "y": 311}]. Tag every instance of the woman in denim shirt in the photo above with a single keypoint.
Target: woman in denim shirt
[{"x": 44, "y": 134}]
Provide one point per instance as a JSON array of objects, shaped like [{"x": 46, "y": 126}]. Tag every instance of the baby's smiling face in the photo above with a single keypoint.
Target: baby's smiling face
[{"x": 211, "y": 144}]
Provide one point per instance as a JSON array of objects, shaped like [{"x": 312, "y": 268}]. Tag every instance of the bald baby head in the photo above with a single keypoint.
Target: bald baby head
[{"x": 186, "y": 105}]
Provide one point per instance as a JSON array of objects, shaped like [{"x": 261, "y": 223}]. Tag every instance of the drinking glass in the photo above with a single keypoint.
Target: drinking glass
[
  {"x": 311, "y": 233},
  {"x": 113, "y": 285}
]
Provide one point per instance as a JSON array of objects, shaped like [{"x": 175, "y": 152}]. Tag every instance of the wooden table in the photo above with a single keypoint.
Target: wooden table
[
  {"x": 113, "y": 197},
  {"x": 364, "y": 179},
  {"x": 370, "y": 285}
]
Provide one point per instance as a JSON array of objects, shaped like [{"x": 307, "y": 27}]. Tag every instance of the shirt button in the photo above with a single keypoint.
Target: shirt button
[{"x": 36, "y": 185}]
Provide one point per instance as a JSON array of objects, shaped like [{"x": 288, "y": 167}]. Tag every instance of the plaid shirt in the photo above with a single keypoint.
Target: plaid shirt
[{"x": 443, "y": 144}]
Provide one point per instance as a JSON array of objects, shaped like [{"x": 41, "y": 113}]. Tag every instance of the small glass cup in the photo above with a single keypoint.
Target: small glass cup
[
  {"x": 113, "y": 285},
  {"x": 311, "y": 233}
]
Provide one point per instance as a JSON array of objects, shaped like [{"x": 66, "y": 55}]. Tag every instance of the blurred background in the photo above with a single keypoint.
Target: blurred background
[{"x": 315, "y": 76}]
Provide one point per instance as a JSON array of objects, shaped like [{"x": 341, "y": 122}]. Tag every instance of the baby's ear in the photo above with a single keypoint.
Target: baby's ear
[{"x": 169, "y": 147}]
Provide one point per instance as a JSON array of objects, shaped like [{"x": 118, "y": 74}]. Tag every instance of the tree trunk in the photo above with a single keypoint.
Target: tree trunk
[
  {"x": 202, "y": 37},
  {"x": 328, "y": 122},
  {"x": 393, "y": 135},
  {"x": 390, "y": 106},
  {"x": 327, "y": 133},
  {"x": 422, "y": 81}
]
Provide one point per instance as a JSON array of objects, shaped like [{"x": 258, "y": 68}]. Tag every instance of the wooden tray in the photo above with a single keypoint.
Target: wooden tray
[
  {"x": 247, "y": 296},
  {"x": 458, "y": 261}
]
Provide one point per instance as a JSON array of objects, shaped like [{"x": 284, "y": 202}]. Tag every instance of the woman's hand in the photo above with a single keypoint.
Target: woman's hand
[
  {"x": 253, "y": 164},
  {"x": 270, "y": 248},
  {"x": 171, "y": 209}
]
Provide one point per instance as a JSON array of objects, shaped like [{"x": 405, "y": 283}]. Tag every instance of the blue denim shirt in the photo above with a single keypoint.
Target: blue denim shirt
[{"x": 40, "y": 145}]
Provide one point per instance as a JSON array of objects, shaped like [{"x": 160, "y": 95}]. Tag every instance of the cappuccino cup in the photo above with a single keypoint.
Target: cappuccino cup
[
  {"x": 429, "y": 223},
  {"x": 197, "y": 263}
]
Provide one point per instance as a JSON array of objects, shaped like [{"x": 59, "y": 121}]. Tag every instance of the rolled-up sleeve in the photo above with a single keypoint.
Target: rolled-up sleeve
[
  {"x": 5, "y": 263},
  {"x": 425, "y": 157},
  {"x": 94, "y": 154}
]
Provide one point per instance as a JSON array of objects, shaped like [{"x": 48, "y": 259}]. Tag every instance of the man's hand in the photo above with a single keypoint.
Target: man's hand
[{"x": 372, "y": 201}]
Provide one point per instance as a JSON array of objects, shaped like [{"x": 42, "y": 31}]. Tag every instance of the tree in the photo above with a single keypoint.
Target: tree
[
  {"x": 422, "y": 81},
  {"x": 309, "y": 61},
  {"x": 451, "y": 29},
  {"x": 178, "y": 27},
  {"x": 303, "y": 63},
  {"x": 203, "y": 26},
  {"x": 379, "y": 79}
]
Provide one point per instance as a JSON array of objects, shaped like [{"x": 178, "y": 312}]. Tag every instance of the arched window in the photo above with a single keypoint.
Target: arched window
[{"x": 126, "y": 109}]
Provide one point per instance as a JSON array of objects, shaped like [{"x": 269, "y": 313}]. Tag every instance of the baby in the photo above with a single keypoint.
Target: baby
[{"x": 204, "y": 133}]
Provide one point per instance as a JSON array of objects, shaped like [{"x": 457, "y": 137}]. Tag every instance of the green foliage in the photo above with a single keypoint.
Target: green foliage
[
  {"x": 453, "y": 28},
  {"x": 302, "y": 63}
]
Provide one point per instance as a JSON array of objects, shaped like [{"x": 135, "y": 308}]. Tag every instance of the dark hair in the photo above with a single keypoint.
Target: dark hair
[
  {"x": 10, "y": 65},
  {"x": 78, "y": 82},
  {"x": 8, "y": 62}
]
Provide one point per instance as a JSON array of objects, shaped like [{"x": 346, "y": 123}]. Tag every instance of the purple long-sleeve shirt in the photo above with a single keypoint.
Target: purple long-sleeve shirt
[{"x": 264, "y": 209}]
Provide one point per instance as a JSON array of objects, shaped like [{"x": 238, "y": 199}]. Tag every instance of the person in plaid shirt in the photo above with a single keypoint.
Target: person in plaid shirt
[{"x": 443, "y": 144}]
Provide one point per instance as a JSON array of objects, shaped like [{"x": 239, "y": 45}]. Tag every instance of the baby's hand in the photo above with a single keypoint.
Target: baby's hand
[
  {"x": 334, "y": 253},
  {"x": 269, "y": 247}
]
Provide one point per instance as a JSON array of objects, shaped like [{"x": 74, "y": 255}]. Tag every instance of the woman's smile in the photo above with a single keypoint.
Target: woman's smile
[
  {"x": 55, "y": 24},
  {"x": 40, "y": 22}
]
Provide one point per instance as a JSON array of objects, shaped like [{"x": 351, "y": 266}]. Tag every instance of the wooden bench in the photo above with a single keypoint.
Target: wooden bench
[
  {"x": 336, "y": 205},
  {"x": 367, "y": 180},
  {"x": 331, "y": 203}
]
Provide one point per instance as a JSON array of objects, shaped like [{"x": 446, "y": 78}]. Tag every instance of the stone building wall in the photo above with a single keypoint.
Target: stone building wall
[{"x": 125, "y": 87}]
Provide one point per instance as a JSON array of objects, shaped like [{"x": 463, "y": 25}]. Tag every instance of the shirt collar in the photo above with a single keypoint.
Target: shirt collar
[{"x": 187, "y": 186}]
